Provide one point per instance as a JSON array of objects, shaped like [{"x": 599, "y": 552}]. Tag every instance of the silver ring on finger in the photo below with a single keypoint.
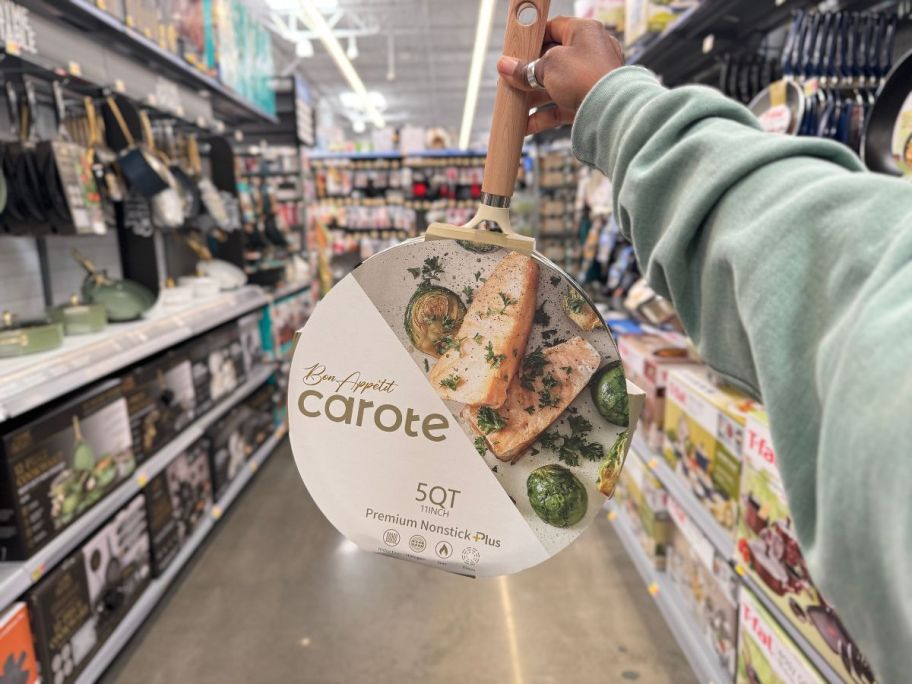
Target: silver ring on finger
[{"x": 531, "y": 78}]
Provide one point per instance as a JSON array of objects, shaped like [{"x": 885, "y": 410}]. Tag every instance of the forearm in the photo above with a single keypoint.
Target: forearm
[{"x": 773, "y": 250}]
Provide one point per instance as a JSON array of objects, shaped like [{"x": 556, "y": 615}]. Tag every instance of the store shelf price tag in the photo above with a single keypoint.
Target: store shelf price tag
[
  {"x": 709, "y": 43},
  {"x": 130, "y": 21},
  {"x": 612, "y": 515},
  {"x": 13, "y": 48},
  {"x": 101, "y": 4},
  {"x": 217, "y": 512},
  {"x": 38, "y": 572},
  {"x": 74, "y": 68},
  {"x": 653, "y": 589},
  {"x": 120, "y": 86},
  {"x": 652, "y": 463},
  {"x": 739, "y": 569},
  {"x": 142, "y": 479},
  {"x": 254, "y": 466}
]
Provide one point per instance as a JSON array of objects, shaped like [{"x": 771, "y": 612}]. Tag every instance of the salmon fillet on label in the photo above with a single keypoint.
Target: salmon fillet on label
[
  {"x": 483, "y": 355},
  {"x": 547, "y": 383}
]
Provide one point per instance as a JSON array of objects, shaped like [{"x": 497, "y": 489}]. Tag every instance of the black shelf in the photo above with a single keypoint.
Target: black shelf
[{"x": 102, "y": 27}]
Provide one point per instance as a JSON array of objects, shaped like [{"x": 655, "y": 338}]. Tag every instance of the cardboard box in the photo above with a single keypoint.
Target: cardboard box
[
  {"x": 77, "y": 607},
  {"x": 704, "y": 431},
  {"x": 259, "y": 418},
  {"x": 176, "y": 502},
  {"x": 228, "y": 451},
  {"x": 250, "y": 334},
  {"x": 646, "y": 503},
  {"x": 644, "y": 17},
  {"x": 707, "y": 584},
  {"x": 190, "y": 30},
  {"x": 17, "y": 651},
  {"x": 647, "y": 361},
  {"x": 58, "y": 464},
  {"x": 161, "y": 402},
  {"x": 766, "y": 654},
  {"x": 217, "y": 361},
  {"x": 768, "y": 550}
]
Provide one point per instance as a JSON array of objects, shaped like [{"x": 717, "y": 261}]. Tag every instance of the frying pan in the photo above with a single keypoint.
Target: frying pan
[
  {"x": 886, "y": 146},
  {"x": 209, "y": 195},
  {"x": 58, "y": 210},
  {"x": 167, "y": 205},
  {"x": 101, "y": 160},
  {"x": 25, "y": 176},
  {"x": 781, "y": 105},
  {"x": 143, "y": 170}
]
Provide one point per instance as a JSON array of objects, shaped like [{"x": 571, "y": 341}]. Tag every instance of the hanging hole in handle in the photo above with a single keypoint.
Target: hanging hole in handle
[{"x": 527, "y": 14}]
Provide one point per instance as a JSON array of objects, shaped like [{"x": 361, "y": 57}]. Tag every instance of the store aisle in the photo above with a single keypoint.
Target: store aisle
[{"x": 278, "y": 595}]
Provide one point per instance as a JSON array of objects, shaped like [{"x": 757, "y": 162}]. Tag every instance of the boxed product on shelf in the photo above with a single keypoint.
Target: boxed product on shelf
[
  {"x": 80, "y": 603},
  {"x": 59, "y": 463},
  {"x": 768, "y": 550},
  {"x": 176, "y": 501},
  {"x": 645, "y": 17},
  {"x": 228, "y": 450},
  {"x": 707, "y": 584},
  {"x": 189, "y": 26},
  {"x": 259, "y": 416},
  {"x": 647, "y": 362},
  {"x": 218, "y": 366},
  {"x": 704, "y": 431},
  {"x": 161, "y": 402},
  {"x": 609, "y": 12},
  {"x": 17, "y": 650},
  {"x": 646, "y": 503},
  {"x": 251, "y": 336},
  {"x": 766, "y": 654}
]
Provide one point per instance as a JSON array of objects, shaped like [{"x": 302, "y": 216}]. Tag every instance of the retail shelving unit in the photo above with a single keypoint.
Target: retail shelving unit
[
  {"x": 702, "y": 660},
  {"x": 700, "y": 657},
  {"x": 159, "y": 587},
  {"x": 31, "y": 381},
  {"x": 16, "y": 578}
]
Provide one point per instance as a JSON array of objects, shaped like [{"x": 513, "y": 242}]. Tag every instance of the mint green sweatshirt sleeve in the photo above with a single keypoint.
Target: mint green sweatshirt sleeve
[{"x": 791, "y": 268}]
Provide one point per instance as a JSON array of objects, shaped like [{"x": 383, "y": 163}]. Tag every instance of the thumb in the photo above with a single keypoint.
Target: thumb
[{"x": 514, "y": 72}]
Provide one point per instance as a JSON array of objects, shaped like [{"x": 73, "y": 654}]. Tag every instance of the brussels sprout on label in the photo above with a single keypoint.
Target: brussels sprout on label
[{"x": 492, "y": 422}]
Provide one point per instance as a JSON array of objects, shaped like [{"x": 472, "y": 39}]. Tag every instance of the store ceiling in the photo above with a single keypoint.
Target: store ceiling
[{"x": 432, "y": 45}]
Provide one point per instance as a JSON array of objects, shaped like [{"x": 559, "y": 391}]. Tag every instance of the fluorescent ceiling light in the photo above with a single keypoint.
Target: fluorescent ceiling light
[
  {"x": 321, "y": 28},
  {"x": 352, "y": 53},
  {"x": 304, "y": 48},
  {"x": 358, "y": 126},
  {"x": 482, "y": 36}
]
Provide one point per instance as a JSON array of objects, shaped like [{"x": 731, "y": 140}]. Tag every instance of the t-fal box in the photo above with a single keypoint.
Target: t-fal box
[
  {"x": 707, "y": 583},
  {"x": 176, "y": 502},
  {"x": 251, "y": 339},
  {"x": 704, "y": 431},
  {"x": 161, "y": 402},
  {"x": 59, "y": 464},
  {"x": 17, "y": 651},
  {"x": 766, "y": 654},
  {"x": 769, "y": 552},
  {"x": 228, "y": 451},
  {"x": 646, "y": 503},
  {"x": 218, "y": 366},
  {"x": 77, "y": 606},
  {"x": 647, "y": 362}
]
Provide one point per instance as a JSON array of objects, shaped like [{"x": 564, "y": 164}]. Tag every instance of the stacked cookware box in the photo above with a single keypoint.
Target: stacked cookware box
[
  {"x": 61, "y": 460},
  {"x": 704, "y": 499}
]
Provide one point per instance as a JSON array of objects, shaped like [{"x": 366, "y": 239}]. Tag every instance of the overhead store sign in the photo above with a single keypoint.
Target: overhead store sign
[{"x": 16, "y": 27}]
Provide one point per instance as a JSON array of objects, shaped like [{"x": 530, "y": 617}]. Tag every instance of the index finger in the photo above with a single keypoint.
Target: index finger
[{"x": 558, "y": 30}]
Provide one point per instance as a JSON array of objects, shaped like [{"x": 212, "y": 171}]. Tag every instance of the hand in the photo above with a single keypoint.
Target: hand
[{"x": 576, "y": 54}]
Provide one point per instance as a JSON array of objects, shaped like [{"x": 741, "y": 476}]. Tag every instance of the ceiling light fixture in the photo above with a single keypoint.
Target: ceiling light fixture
[
  {"x": 352, "y": 52},
  {"x": 482, "y": 36},
  {"x": 320, "y": 27}
]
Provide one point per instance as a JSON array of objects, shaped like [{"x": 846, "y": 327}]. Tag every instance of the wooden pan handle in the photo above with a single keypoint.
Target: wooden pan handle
[{"x": 511, "y": 108}]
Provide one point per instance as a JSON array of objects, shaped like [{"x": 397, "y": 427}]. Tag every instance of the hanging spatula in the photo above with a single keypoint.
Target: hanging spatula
[{"x": 526, "y": 22}]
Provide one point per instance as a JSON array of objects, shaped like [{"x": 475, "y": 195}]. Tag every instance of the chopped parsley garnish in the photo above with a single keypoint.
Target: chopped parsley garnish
[
  {"x": 549, "y": 333},
  {"x": 430, "y": 271},
  {"x": 556, "y": 341},
  {"x": 452, "y": 382},
  {"x": 468, "y": 293},
  {"x": 478, "y": 338},
  {"x": 541, "y": 316},
  {"x": 446, "y": 343},
  {"x": 494, "y": 470},
  {"x": 546, "y": 399},
  {"x": 555, "y": 280},
  {"x": 481, "y": 446},
  {"x": 574, "y": 301},
  {"x": 573, "y": 448},
  {"x": 507, "y": 301},
  {"x": 448, "y": 323},
  {"x": 533, "y": 366},
  {"x": 478, "y": 278},
  {"x": 530, "y": 410},
  {"x": 568, "y": 370},
  {"x": 550, "y": 382},
  {"x": 494, "y": 359},
  {"x": 534, "y": 452},
  {"x": 490, "y": 420},
  {"x": 427, "y": 366}
]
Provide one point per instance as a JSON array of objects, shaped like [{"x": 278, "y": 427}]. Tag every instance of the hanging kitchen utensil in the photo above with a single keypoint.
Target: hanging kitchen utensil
[
  {"x": 167, "y": 206},
  {"x": 13, "y": 213},
  {"x": 79, "y": 318},
  {"x": 29, "y": 192},
  {"x": 123, "y": 300},
  {"x": 102, "y": 159},
  {"x": 780, "y": 106},
  {"x": 210, "y": 197},
  {"x": 887, "y": 142},
  {"x": 227, "y": 275},
  {"x": 469, "y": 372},
  {"x": 189, "y": 190},
  {"x": 19, "y": 338},
  {"x": 144, "y": 172}
]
